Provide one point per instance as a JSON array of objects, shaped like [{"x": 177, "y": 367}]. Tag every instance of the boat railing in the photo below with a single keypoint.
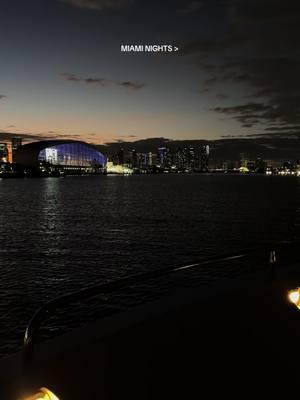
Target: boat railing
[{"x": 271, "y": 255}]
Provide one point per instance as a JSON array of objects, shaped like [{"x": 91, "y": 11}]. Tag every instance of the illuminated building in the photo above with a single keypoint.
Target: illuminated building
[
  {"x": 118, "y": 169},
  {"x": 3, "y": 153},
  {"x": 134, "y": 159},
  {"x": 67, "y": 155},
  {"x": 179, "y": 159},
  {"x": 145, "y": 160},
  {"x": 260, "y": 165},
  {"x": 189, "y": 158},
  {"x": 162, "y": 156},
  {"x": 204, "y": 158},
  {"x": 16, "y": 142},
  {"x": 243, "y": 160},
  {"x": 251, "y": 165}
]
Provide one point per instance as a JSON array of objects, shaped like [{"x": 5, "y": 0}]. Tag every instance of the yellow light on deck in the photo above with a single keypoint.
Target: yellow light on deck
[
  {"x": 43, "y": 394},
  {"x": 294, "y": 297}
]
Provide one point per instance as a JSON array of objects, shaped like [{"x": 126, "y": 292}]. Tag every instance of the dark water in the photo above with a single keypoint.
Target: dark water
[{"x": 62, "y": 234}]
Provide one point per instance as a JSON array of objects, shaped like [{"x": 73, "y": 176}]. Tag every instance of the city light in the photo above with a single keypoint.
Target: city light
[
  {"x": 294, "y": 297},
  {"x": 65, "y": 157},
  {"x": 118, "y": 169},
  {"x": 43, "y": 394}
]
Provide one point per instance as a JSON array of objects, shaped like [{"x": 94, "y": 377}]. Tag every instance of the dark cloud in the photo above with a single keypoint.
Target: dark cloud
[
  {"x": 191, "y": 8},
  {"x": 7, "y": 136},
  {"x": 67, "y": 136},
  {"x": 274, "y": 80},
  {"x": 122, "y": 138},
  {"x": 99, "y": 4},
  {"x": 2, "y": 96},
  {"x": 279, "y": 129},
  {"x": 276, "y": 134},
  {"x": 256, "y": 52},
  {"x": 222, "y": 96},
  {"x": 30, "y": 137},
  {"x": 202, "y": 45},
  {"x": 128, "y": 136},
  {"x": 263, "y": 12},
  {"x": 250, "y": 113},
  {"x": 206, "y": 67},
  {"x": 118, "y": 140},
  {"x": 103, "y": 82}
]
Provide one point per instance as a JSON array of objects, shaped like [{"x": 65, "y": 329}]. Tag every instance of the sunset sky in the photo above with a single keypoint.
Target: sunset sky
[{"x": 62, "y": 73}]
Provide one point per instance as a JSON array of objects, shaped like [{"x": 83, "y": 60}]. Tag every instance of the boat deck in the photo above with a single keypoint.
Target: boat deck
[{"x": 230, "y": 338}]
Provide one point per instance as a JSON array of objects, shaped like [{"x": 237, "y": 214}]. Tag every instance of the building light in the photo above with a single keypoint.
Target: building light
[{"x": 43, "y": 394}]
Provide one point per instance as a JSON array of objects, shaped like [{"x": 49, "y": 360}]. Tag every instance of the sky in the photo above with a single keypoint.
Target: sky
[{"x": 62, "y": 74}]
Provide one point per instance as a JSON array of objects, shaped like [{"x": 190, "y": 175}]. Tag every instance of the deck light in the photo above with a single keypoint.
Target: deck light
[
  {"x": 43, "y": 394},
  {"x": 294, "y": 297}
]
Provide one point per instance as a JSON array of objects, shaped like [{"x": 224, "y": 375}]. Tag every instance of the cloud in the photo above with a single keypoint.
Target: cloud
[
  {"x": 31, "y": 137},
  {"x": 2, "y": 96},
  {"x": 279, "y": 129},
  {"x": 255, "y": 52},
  {"x": 202, "y": 45},
  {"x": 276, "y": 134},
  {"x": 128, "y": 136},
  {"x": 248, "y": 118},
  {"x": 222, "y": 96},
  {"x": 99, "y": 4},
  {"x": 271, "y": 79},
  {"x": 7, "y": 136},
  {"x": 103, "y": 82},
  {"x": 191, "y": 8},
  {"x": 250, "y": 113}
]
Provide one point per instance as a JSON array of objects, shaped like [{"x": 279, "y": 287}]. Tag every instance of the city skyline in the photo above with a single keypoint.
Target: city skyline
[
  {"x": 63, "y": 74},
  {"x": 269, "y": 146},
  {"x": 155, "y": 155}
]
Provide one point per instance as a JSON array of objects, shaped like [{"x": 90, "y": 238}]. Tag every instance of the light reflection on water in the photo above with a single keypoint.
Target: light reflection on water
[{"x": 61, "y": 234}]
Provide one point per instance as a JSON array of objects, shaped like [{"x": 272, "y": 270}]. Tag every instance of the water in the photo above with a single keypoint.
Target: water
[{"x": 61, "y": 234}]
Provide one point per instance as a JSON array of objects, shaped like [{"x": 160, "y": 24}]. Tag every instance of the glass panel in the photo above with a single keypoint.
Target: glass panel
[{"x": 72, "y": 154}]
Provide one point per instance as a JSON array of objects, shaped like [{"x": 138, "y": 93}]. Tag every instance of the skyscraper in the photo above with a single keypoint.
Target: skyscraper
[
  {"x": 121, "y": 157},
  {"x": 204, "y": 158},
  {"x": 189, "y": 158},
  {"x": 134, "y": 158},
  {"x": 16, "y": 142},
  {"x": 162, "y": 156}
]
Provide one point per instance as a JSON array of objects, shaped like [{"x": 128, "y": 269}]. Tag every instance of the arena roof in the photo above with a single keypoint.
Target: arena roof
[{"x": 28, "y": 154}]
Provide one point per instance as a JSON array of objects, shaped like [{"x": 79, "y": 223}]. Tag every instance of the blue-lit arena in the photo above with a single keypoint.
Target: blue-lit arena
[{"x": 64, "y": 156}]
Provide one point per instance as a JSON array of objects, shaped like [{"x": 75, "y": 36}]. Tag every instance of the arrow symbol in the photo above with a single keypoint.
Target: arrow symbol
[{"x": 176, "y": 48}]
